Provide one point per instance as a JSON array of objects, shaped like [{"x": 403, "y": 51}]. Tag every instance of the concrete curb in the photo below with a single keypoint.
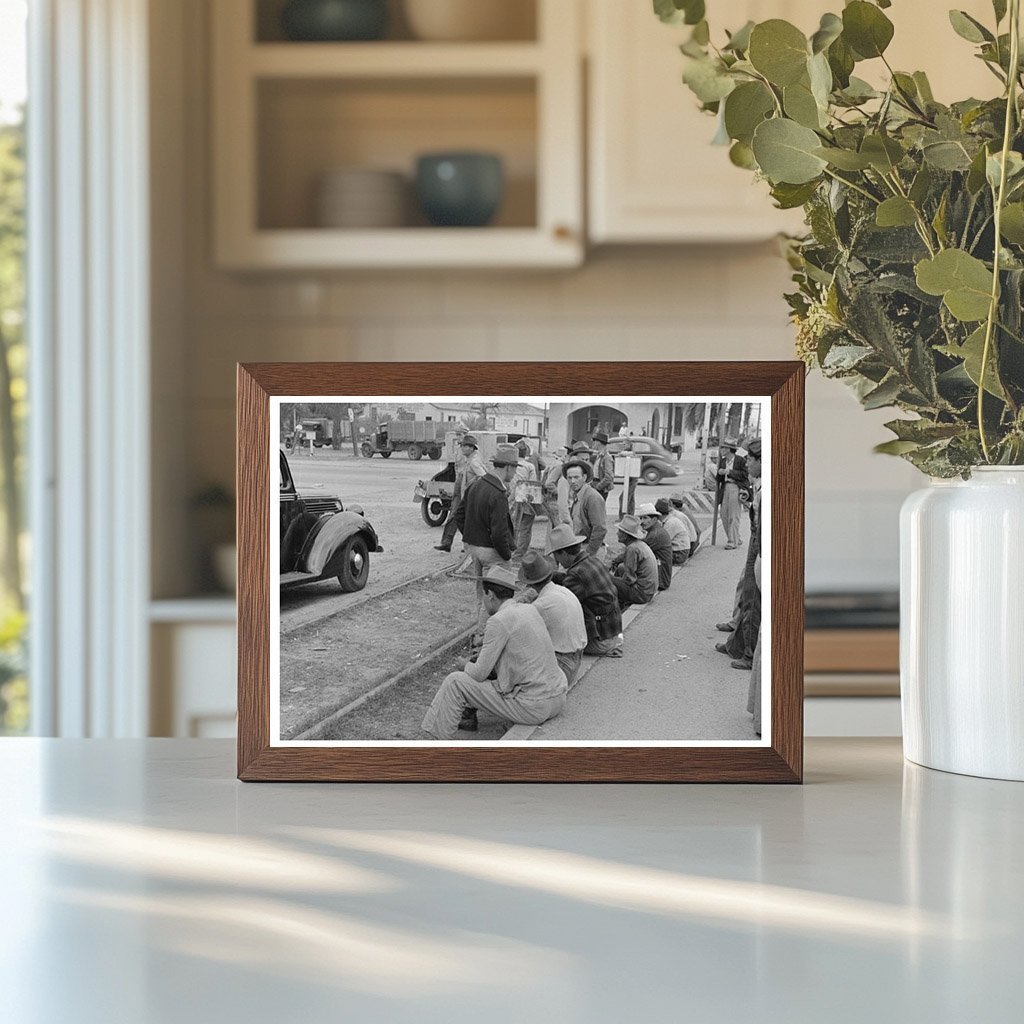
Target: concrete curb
[{"x": 316, "y": 732}]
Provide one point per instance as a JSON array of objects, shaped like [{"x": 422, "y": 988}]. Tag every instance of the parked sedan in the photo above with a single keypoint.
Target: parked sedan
[
  {"x": 656, "y": 462},
  {"x": 321, "y": 539}
]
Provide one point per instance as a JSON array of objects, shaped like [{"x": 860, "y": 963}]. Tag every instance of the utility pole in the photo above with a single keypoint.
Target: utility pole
[
  {"x": 704, "y": 444},
  {"x": 721, "y": 462}
]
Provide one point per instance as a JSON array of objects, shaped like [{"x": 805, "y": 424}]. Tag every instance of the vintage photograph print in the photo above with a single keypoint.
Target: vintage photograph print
[{"x": 516, "y": 574}]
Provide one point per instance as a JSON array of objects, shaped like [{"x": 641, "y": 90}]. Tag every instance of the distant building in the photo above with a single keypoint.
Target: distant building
[{"x": 519, "y": 418}]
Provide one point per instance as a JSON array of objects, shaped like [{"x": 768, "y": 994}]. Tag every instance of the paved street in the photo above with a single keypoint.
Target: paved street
[{"x": 384, "y": 488}]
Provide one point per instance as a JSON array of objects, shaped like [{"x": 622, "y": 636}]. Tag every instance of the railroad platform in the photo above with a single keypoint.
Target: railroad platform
[{"x": 670, "y": 683}]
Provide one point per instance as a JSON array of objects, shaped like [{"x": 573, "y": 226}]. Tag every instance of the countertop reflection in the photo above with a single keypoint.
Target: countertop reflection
[{"x": 143, "y": 884}]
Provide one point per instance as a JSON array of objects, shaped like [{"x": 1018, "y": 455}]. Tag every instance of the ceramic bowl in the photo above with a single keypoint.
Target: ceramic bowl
[
  {"x": 460, "y": 189},
  {"x": 334, "y": 20},
  {"x": 470, "y": 20}
]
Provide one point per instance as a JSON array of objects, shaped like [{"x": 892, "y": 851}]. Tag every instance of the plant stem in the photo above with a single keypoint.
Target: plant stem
[
  {"x": 855, "y": 187},
  {"x": 993, "y": 309}
]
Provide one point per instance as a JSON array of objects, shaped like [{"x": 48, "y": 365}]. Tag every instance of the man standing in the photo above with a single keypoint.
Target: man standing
[
  {"x": 483, "y": 518},
  {"x": 678, "y": 530},
  {"x": 592, "y": 583},
  {"x": 524, "y": 493},
  {"x": 468, "y": 467},
  {"x": 586, "y": 507},
  {"x": 636, "y": 569},
  {"x": 604, "y": 466},
  {"x": 657, "y": 539},
  {"x": 555, "y": 490},
  {"x": 529, "y": 687},
  {"x": 732, "y": 476},
  {"x": 559, "y": 608}
]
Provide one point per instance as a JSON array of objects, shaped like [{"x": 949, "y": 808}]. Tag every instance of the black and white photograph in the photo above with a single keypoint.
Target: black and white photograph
[{"x": 533, "y": 571}]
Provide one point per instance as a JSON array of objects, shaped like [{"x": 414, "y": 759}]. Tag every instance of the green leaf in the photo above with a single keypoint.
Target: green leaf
[
  {"x": 1014, "y": 169},
  {"x": 976, "y": 174},
  {"x": 707, "y": 80},
  {"x": 866, "y": 29},
  {"x": 924, "y": 88},
  {"x": 844, "y": 159},
  {"x": 820, "y": 76},
  {"x": 800, "y": 105},
  {"x": 923, "y": 431},
  {"x": 968, "y": 28},
  {"x": 841, "y": 60},
  {"x": 1012, "y": 224},
  {"x": 742, "y": 155},
  {"x": 679, "y": 12},
  {"x": 895, "y": 447},
  {"x": 701, "y": 33},
  {"x": 921, "y": 185},
  {"x": 789, "y": 197},
  {"x": 999, "y": 7},
  {"x": 971, "y": 352},
  {"x": 778, "y": 50},
  {"x": 829, "y": 30},
  {"x": 745, "y": 108},
  {"x": 963, "y": 281},
  {"x": 947, "y": 156},
  {"x": 896, "y": 212},
  {"x": 739, "y": 41},
  {"x": 883, "y": 153},
  {"x": 785, "y": 152},
  {"x": 885, "y": 394}
]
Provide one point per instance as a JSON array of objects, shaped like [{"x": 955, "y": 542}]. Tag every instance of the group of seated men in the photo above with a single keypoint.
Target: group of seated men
[{"x": 562, "y": 604}]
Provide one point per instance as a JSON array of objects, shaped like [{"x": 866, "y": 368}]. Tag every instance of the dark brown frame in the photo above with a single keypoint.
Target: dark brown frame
[{"x": 782, "y": 762}]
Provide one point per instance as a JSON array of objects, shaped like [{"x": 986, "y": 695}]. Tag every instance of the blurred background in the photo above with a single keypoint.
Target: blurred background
[{"x": 250, "y": 180}]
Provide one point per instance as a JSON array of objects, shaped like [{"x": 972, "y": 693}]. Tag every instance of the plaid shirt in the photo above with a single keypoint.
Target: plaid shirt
[{"x": 592, "y": 583}]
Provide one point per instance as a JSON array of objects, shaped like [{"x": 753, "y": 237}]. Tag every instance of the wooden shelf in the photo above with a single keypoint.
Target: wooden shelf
[
  {"x": 852, "y": 650},
  {"x": 393, "y": 60}
]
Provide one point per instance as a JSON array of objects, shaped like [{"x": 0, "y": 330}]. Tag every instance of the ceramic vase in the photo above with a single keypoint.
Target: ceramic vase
[{"x": 962, "y": 624}]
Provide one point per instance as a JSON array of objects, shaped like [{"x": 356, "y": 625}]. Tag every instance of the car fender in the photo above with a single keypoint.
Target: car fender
[{"x": 331, "y": 533}]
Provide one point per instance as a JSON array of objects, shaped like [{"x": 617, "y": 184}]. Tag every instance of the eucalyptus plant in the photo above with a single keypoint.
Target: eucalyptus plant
[{"x": 910, "y": 278}]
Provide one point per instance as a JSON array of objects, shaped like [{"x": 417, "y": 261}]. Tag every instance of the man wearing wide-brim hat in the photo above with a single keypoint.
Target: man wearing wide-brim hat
[
  {"x": 529, "y": 687},
  {"x": 559, "y": 608},
  {"x": 657, "y": 539},
  {"x": 732, "y": 478},
  {"x": 468, "y": 467},
  {"x": 636, "y": 570},
  {"x": 684, "y": 515},
  {"x": 586, "y": 507},
  {"x": 604, "y": 465},
  {"x": 485, "y": 522},
  {"x": 588, "y": 578}
]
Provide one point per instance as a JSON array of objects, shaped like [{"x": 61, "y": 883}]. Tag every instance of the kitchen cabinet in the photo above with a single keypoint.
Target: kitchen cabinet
[
  {"x": 653, "y": 175},
  {"x": 287, "y": 113}
]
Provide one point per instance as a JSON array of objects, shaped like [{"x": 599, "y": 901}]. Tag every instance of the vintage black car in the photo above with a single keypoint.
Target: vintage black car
[{"x": 321, "y": 539}]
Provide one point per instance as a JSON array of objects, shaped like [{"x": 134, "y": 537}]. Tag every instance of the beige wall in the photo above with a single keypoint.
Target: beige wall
[{"x": 638, "y": 304}]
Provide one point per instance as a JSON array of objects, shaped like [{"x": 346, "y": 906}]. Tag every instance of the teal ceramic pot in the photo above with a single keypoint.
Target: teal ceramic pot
[
  {"x": 460, "y": 189},
  {"x": 332, "y": 21}
]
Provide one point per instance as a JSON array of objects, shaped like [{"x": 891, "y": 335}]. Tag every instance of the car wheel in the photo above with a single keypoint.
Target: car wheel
[
  {"x": 385, "y": 455},
  {"x": 367, "y": 449},
  {"x": 415, "y": 452},
  {"x": 355, "y": 565},
  {"x": 435, "y": 453},
  {"x": 434, "y": 511},
  {"x": 652, "y": 476}
]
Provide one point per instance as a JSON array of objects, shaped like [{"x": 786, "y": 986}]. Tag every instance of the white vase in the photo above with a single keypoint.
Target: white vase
[{"x": 962, "y": 624}]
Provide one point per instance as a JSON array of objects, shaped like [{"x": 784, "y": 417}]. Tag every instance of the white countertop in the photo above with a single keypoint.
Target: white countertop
[{"x": 143, "y": 884}]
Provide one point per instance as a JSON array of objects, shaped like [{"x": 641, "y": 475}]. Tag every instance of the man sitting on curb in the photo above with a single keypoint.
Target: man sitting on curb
[
  {"x": 681, "y": 513},
  {"x": 678, "y": 533},
  {"x": 636, "y": 569},
  {"x": 529, "y": 687},
  {"x": 588, "y": 578},
  {"x": 559, "y": 608},
  {"x": 657, "y": 539}
]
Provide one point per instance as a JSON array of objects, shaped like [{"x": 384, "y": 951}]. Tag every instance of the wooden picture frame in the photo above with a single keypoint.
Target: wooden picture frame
[{"x": 779, "y": 386}]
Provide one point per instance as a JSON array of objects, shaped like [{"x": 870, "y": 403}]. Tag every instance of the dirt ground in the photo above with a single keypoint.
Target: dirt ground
[
  {"x": 328, "y": 664},
  {"x": 397, "y": 713}
]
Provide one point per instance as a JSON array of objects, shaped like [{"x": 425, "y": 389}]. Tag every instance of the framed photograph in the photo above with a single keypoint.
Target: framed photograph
[{"x": 515, "y": 572}]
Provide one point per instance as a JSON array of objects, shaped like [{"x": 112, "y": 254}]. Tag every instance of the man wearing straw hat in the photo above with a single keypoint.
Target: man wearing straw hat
[
  {"x": 636, "y": 569},
  {"x": 468, "y": 467},
  {"x": 559, "y": 608},
  {"x": 528, "y": 686},
  {"x": 484, "y": 521},
  {"x": 586, "y": 506},
  {"x": 588, "y": 578},
  {"x": 604, "y": 465},
  {"x": 657, "y": 539}
]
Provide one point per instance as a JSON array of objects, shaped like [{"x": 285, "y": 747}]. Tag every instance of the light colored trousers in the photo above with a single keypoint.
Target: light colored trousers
[
  {"x": 460, "y": 691},
  {"x": 754, "y": 695},
  {"x": 570, "y": 665},
  {"x": 482, "y": 559},
  {"x": 730, "y": 512}
]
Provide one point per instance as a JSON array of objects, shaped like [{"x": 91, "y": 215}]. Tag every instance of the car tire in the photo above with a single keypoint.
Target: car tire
[
  {"x": 385, "y": 455},
  {"x": 367, "y": 450},
  {"x": 415, "y": 452},
  {"x": 435, "y": 453},
  {"x": 434, "y": 510},
  {"x": 355, "y": 565},
  {"x": 651, "y": 476}
]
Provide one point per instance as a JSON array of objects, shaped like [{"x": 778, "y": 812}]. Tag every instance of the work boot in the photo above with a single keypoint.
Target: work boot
[
  {"x": 442, "y": 547},
  {"x": 721, "y": 648},
  {"x": 742, "y": 663},
  {"x": 468, "y": 722},
  {"x": 725, "y": 627}
]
